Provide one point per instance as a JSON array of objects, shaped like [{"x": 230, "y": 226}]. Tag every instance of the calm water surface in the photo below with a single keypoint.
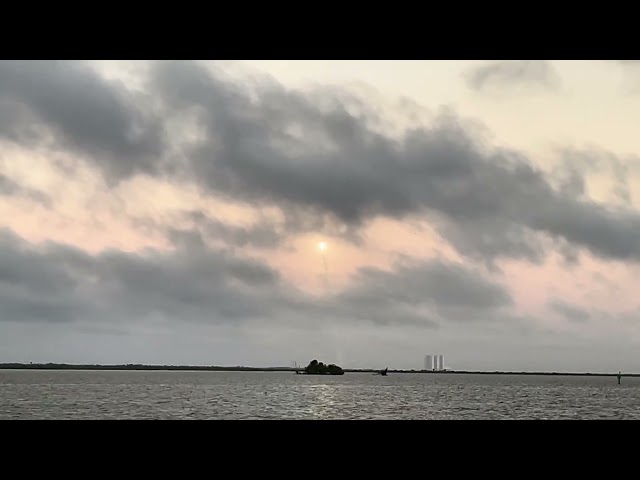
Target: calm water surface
[{"x": 248, "y": 395}]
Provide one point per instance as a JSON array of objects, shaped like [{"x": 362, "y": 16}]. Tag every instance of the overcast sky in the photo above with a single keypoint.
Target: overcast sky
[{"x": 171, "y": 212}]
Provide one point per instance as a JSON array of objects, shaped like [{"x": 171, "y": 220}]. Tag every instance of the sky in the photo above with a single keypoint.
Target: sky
[{"x": 171, "y": 212}]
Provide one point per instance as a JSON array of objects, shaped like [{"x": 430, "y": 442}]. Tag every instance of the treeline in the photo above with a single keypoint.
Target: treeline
[
  {"x": 213, "y": 368},
  {"x": 134, "y": 366}
]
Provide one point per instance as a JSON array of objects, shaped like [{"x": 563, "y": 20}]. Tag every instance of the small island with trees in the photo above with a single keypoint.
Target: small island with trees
[{"x": 319, "y": 368}]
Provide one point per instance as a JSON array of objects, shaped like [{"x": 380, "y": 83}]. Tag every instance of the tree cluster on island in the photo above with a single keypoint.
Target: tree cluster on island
[{"x": 319, "y": 368}]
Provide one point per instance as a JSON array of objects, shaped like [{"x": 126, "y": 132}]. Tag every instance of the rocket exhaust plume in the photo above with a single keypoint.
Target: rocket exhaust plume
[{"x": 335, "y": 338}]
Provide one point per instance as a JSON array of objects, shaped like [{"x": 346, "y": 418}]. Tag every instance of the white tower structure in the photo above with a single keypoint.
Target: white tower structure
[
  {"x": 434, "y": 363},
  {"x": 428, "y": 362}
]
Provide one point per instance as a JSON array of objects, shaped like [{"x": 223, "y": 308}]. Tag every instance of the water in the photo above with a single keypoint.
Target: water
[{"x": 247, "y": 395}]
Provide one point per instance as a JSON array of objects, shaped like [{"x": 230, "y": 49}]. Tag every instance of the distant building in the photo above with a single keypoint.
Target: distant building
[
  {"x": 434, "y": 363},
  {"x": 428, "y": 362}
]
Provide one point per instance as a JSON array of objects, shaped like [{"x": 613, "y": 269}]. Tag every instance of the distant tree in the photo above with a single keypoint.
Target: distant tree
[{"x": 319, "y": 368}]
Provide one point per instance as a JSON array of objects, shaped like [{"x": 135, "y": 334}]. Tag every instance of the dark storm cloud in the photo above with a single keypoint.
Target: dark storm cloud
[
  {"x": 253, "y": 151},
  {"x": 314, "y": 153},
  {"x": 568, "y": 311},
  {"x": 33, "y": 287},
  {"x": 195, "y": 227},
  {"x": 507, "y": 74},
  {"x": 262, "y": 234},
  {"x": 192, "y": 228},
  {"x": 568, "y": 252},
  {"x": 445, "y": 284},
  {"x": 81, "y": 111},
  {"x": 58, "y": 283},
  {"x": 319, "y": 151},
  {"x": 444, "y": 290},
  {"x": 10, "y": 188}
]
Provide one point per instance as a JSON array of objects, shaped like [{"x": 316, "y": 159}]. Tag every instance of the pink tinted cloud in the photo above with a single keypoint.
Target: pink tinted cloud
[{"x": 592, "y": 285}]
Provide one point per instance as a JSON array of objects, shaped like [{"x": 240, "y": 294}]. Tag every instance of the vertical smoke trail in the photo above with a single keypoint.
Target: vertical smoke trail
[
  {"x": 326, "y": 273},
  {"x": 330, "y": 328}
]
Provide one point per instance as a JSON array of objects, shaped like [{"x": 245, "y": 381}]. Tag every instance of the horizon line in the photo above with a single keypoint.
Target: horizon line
[{"x": 178, "y": 367}]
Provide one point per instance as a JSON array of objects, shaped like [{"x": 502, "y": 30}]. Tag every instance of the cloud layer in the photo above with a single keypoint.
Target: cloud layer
[
  {"x": 266, "y": 144},
  {"x": 324, "y": 161},
  {"x": 193, "y": 283},
  {"x": 513, "y": 73}
]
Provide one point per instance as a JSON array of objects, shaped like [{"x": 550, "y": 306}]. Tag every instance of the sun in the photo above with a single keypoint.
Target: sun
[{"x": 322, "y": 246}]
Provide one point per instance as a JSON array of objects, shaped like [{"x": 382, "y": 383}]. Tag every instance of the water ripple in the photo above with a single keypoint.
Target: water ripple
[{"x": 250, "y": 395}]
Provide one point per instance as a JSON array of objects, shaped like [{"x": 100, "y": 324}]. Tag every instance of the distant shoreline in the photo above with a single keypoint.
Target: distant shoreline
[{"x": 197, "y": 368}]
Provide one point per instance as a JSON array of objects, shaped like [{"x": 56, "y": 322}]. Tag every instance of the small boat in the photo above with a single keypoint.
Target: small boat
[{"x": 382, "y": 372}]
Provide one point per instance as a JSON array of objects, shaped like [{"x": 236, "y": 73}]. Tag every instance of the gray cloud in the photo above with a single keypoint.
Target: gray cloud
[
  {"x": 316, "y": 153},
  {"x": 507, "y": 74},
  {"x": 444, "y": 283},
  {"x": 194, "y": 228},
  {"x": 568, "y": 311},
  {"x": 196, "y": 284},
  {"x": 487, "y": 203},
  {"x": 264, "y": 233},
  {"x": 10, "y": 188},
  {"x": 579, "y": 162},
  {"x": 446, "y": 291},
  {"x": 69, "y": 104},
  {"x": 260, "y": 235},
  {"x": 57, "y": 282}
]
